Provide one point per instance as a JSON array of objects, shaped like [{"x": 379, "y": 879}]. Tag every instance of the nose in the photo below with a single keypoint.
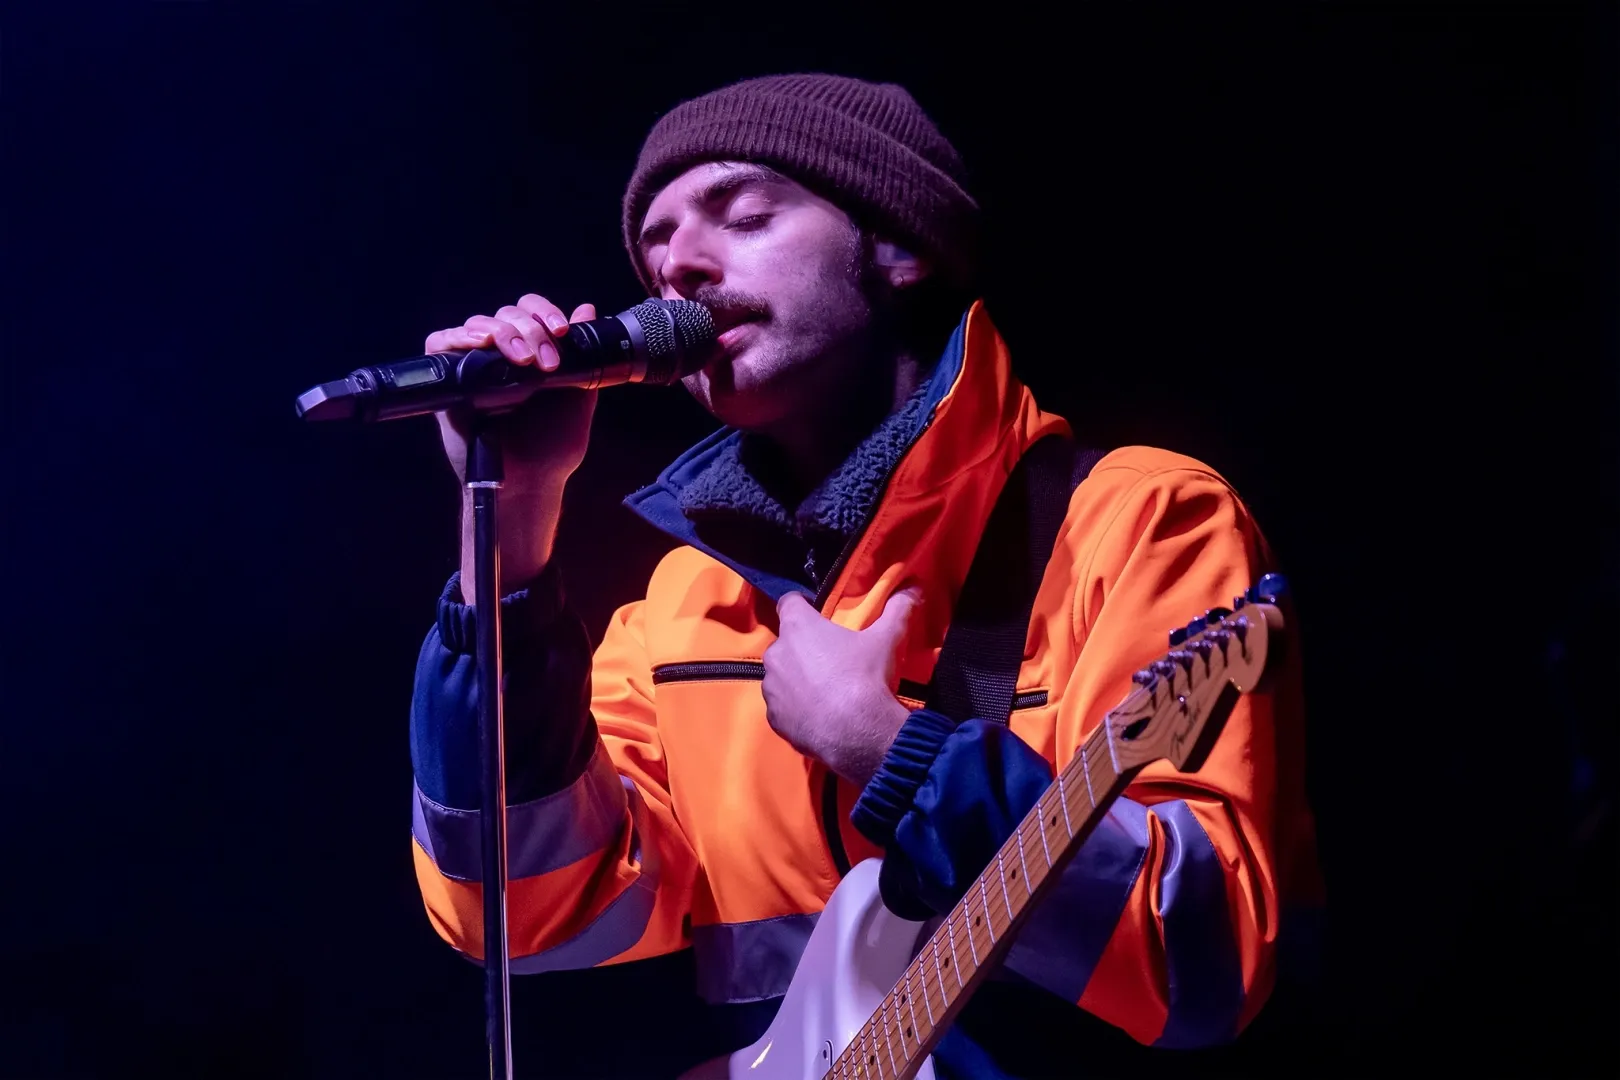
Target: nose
[{"x": 690, "y": 262}]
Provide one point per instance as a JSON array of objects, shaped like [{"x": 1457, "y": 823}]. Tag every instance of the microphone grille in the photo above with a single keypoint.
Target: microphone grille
[
  {"x": 676, "y": 333},
  {"x": 694, "y": 324}
]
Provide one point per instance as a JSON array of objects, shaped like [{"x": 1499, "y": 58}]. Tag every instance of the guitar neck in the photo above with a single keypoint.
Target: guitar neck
[{"x": 977, "y": 932}]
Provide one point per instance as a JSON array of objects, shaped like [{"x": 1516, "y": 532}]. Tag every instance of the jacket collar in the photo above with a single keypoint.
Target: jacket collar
[
  {"x": 970, "y": 411},
  {"x": 741, "y": 477}
]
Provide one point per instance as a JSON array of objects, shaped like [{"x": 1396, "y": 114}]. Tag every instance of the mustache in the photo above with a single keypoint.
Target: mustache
[{"x": 732, "y": 301}]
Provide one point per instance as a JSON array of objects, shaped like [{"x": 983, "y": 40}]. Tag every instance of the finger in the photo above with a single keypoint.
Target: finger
[
  {"x": 554, "y": 322},
  {"x": 544, "y": 312},
  {"x": 503, "y": 336},
  {"x": 897, "y": 613},
  {"x": 793, "y": 606},
  {"x": 529, "y": 325},
  {"x": 455, "y": 337},
  {"x": 583, "y": 313}
]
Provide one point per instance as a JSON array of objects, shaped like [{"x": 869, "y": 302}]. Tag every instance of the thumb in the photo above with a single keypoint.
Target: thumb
[
  {"x": 793, "y": 605},
  {"x": 896, "y": 617}
]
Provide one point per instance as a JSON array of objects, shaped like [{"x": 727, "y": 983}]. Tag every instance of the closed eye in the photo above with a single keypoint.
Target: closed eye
[{"x": 749, "y": 223}]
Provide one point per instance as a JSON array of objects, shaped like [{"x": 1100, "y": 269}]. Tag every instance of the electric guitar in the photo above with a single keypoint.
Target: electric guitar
[{"x": 865, "y": 1002}]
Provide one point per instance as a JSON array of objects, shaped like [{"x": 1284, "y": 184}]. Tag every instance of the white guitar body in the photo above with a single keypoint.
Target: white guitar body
[{"x": 857, "y": 952}]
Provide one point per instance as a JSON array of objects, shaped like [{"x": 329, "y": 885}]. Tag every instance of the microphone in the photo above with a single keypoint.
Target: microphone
[{"x": 657, "y": 341}]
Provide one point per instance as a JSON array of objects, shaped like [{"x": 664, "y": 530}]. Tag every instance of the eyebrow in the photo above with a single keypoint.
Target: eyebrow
[{"x": 736, "y": 177}]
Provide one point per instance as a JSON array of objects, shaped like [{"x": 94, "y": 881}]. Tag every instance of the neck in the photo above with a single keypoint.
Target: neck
[{"x": 817, "y": 438}]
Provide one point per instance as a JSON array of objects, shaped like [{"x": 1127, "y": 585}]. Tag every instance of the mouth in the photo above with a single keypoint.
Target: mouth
[{"x": 732, "y": 324}]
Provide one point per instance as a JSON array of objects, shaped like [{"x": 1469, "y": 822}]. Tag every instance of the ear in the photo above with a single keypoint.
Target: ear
[{"x": 895, "y": 263}]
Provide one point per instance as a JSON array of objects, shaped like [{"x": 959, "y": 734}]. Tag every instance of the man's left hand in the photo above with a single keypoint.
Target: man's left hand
[{"x": 830, "y": 692}]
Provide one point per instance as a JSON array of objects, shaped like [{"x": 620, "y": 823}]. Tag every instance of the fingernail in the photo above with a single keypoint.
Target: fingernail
[
  {"x": 549, "y": 360},
  {"x": 521, "y": 350},
  {"x": 556, "y": 324}
]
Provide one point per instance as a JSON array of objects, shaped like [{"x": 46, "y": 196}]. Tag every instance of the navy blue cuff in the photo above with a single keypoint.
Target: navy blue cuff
[
  {"x": 889, "y": 794},
  {"x": 525, "y": 613}
]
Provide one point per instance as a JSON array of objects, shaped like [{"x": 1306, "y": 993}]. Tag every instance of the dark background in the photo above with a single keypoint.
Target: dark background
[{"x": 1362, "y": 259}]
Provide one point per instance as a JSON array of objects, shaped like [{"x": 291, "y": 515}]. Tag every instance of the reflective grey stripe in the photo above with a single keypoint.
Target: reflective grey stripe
[
  {"x": 541, "y": 836},
  {"x": 1059, "y": 946},
  {"x": 1206, "y": 979},
  {"x": 749, "y": 961},
  {"x": 621, "y": 924}
]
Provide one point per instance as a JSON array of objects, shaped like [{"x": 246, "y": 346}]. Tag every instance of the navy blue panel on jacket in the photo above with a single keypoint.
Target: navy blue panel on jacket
[{"x": 546, "y": 679}]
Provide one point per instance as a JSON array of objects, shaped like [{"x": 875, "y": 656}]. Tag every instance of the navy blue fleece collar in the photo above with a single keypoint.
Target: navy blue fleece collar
[{"x": 710, "y": 479}]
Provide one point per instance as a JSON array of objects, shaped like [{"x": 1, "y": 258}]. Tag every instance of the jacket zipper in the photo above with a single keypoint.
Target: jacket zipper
[
  {"x": 708, "y": 671},
  {"x": 837, "y": 567}
]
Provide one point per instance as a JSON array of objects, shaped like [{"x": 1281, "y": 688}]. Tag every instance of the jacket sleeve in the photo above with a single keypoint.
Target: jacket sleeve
[
  {"x": 1165, "y": 923},
  {"x": 598, "y": 869}
]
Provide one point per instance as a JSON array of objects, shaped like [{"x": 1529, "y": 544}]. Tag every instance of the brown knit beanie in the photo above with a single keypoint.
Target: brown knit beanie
[{"x": 868, "y": 148}]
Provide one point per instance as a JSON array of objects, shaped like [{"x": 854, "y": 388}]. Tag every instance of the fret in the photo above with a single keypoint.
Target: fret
[
  {"x": 956, "y": 954},
  {"x": 1045, "y": 849},
  {"x": 922, "y": 977},
  {"x": 984, "y": 895},
  {"x": 911, "y": 1005},
  {"x": 1006, "y": 897},
  {"x": 940, "y": 972},
  {"x": 1108, "y": 737},
  {"x": 967, "y": 919},
  {"x": 1063, "y": 800},
  {"x": 888, "y": 1040},
  {"x": 1085, "y": 769},
  {"x": 1023, "y": 864}
]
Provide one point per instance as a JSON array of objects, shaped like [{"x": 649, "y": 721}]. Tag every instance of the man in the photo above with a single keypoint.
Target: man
[{"x": 737, "y": 741}]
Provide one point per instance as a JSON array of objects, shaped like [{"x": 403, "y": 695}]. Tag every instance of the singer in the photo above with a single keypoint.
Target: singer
[{"x": 783, "y": 702}]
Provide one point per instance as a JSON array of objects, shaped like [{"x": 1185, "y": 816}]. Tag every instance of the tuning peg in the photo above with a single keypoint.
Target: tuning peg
[
  {"x": 1215, "y": 615},
  {"x": 1219, "y": 637},
  {"x": 1240, "y": 627},
  {"x": 1268, "y": 589},
  {"x": 1163, "y": 667},
  {"x": 1144, "y": 678},
  {"x": 1178, "y": 635},
  {"x": 1239, "y": 600},
  {"x": 1182, "y": 657}
]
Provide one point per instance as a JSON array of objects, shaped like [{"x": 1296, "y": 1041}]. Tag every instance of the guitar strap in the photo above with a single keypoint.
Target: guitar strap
[{"x": 977, "y": 671}]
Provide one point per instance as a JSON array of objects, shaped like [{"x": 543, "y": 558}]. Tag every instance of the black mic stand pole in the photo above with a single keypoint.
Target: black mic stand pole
[{"x": 484, "y": 477}]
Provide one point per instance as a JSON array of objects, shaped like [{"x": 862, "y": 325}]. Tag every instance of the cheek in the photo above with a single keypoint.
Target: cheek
[{"x": 804, "y": 263}]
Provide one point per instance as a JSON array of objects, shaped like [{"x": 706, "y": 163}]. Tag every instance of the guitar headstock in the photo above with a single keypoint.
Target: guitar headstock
[{"x": 1182, "y": 698}]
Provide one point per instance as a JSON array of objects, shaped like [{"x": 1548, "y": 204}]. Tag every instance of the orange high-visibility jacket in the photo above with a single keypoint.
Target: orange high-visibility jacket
[{"x": 652, "y": 808}]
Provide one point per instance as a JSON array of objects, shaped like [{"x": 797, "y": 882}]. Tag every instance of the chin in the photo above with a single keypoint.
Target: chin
[{"x": 740, "y": 394}]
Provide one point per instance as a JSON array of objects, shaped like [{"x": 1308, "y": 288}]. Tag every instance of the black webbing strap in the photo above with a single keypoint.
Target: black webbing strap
[{"x": 977, "y": 670}]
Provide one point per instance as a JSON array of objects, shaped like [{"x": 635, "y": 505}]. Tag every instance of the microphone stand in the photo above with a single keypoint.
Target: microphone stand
[{"x": 485, "y": 474}]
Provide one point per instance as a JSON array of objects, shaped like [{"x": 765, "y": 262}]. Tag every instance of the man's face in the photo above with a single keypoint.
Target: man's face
[{"x": 781, "y": 268}]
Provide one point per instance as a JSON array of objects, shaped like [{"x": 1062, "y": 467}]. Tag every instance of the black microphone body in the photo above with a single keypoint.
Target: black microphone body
[{"x": 657, "y": 341}]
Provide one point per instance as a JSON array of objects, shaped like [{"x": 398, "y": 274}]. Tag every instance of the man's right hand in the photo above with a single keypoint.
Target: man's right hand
[{"x": 542, "y": 442}]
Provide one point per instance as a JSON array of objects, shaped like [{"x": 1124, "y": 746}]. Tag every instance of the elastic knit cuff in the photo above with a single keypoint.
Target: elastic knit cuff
[
  {"x": 889, "y": 794},
  {"x": 525, "y": 613}
]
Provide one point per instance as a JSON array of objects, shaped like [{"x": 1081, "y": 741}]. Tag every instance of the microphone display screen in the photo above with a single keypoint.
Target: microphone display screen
[{"x": 415, "y": 373}]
